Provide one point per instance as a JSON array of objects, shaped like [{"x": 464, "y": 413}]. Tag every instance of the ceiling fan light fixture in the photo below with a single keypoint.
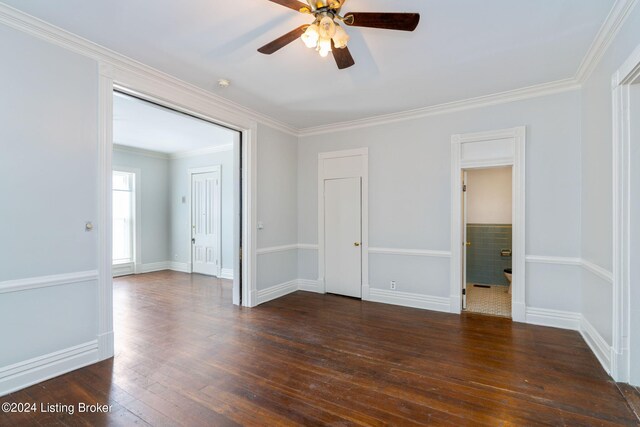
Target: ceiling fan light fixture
[
  {"x": 340, "y": 38},
  {"x": 311, "y": 36},
  {"x": 327, "y": 27},
  {"x": 325, "y": 33},
  {"x": 324, "y": 47}
]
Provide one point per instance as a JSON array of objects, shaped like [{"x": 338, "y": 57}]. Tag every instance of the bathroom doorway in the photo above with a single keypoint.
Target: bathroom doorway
[{"x": 488, "y": 236}]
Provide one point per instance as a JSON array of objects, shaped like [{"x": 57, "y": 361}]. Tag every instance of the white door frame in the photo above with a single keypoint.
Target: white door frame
[
  {"x": 465, "y": 238},
  {"x": 218, "y": 212},
  {"x": 183, "y": 97},
  {"x": 137, "y": 235},
  {"x": 623, "y": 78},
  {"x": 363, "y": 173},
  {"x": 505, "y": 147}
]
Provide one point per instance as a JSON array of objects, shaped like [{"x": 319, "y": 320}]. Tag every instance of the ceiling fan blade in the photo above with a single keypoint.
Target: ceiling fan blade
[
  {"x": 291, "y": 4},
  {"x": 342, "y": 56},
  {"x": 281, "y": 42},
  {"x": 387, "y": 21}
]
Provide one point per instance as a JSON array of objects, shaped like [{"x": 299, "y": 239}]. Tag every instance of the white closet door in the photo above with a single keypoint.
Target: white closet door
[
  {"x": 343, "y": 233},
  {"x": 205, "y": 211}
]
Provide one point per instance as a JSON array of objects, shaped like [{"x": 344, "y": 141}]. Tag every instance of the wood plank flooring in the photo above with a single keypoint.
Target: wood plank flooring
[{"x": 186, "y": 356}]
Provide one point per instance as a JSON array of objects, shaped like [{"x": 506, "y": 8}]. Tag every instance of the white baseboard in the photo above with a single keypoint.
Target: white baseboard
[
  {"x": 226, "y": 273},
  {"x": 553, "y": 318},
  {"x": 455, "y": 304},
  {"x": 182, "y": 267},
  {"x": 366, "y": 292},
  {"x": 154, "y": 266},
  {"x": 123, "y": 269},
  {"x": 106, "y": 346},
  {"x": 24, "y": 374},
  {"x": 519, "y": 312},
  {"x": 410, "y": 299},
  {"x": 277, "y": 291},
  {"x": 308, "y": 285},
  {"x": 598, "y": 345}
]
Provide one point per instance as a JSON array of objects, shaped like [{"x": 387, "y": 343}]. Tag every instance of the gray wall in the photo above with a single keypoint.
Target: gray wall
[
  {"x": 409, "y": 194},
  {"x": 179, "y": 187},
  {"x": 597, "y": 195},
  {"x": 48, "y": 142},
  {"x": 155, "y": 222},
  {"x": 277, "y": 206}
]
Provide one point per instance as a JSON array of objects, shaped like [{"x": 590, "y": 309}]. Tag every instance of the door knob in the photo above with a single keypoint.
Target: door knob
[
  {"x": 468, "y": 244},
  {"x": 193, "y": 240},
  {"x": 356, "y": 244}
]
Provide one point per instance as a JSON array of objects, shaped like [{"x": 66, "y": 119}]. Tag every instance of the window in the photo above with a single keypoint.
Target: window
[{"x": 123, "y": 217}]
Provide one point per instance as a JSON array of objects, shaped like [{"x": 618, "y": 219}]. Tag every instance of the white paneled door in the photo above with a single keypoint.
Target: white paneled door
[
  {"x": 205, "y": 222},
  {"x": 343, "y": 234}
]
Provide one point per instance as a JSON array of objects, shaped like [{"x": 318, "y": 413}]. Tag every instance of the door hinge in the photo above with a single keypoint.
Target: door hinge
[
  {"x": 464, "y": 291},
  {"x": 464, "y": 188}
]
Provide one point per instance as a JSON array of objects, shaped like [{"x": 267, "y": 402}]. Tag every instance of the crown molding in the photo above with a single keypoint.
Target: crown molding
[
  {"x": 605, "y": 36},
  {"x": 202, "y": 151},
  {"x": 607, "y": 33},
  {"x": 108, "y": 58},
  {"x": 172, "y": 156},
  {"x": 140, "y": 151},
  {"x": 449, "y": 107}
]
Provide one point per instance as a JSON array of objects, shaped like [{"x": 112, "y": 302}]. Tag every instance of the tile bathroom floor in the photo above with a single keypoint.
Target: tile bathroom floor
[{"x": 494, "y": 300}]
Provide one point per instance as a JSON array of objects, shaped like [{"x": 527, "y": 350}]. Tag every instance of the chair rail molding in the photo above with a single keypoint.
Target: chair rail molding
[
  {"x": 410, "y": 252},
  {"x": 29, "y": 283}
]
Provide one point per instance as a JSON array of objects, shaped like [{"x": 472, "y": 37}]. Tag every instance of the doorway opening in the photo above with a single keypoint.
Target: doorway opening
[
  {"x": 176, "y": 192},
  {"x": 487, "y": 230},
  {"x": 503, "y": 148}
]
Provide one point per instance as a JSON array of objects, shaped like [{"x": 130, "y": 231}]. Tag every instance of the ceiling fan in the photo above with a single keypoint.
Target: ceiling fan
[{"x": 325, "y": 33}]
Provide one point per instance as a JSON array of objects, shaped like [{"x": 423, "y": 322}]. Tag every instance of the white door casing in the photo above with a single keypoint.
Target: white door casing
[
  {"x": 624, "y": 189},
  {"x": 352, "y": 163},
  {"x": 144, "y": 83},
  {"x": 464, "y": 240},
  {"x": 504, "y": 147},
  {"x": 205, "y": 221},
  {"x": 343, "y": 234}
]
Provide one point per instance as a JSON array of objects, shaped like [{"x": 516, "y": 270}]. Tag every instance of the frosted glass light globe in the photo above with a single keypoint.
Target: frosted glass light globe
[
  {"x": 324, "y": 47},
  {"x": 310, "y": 36},
  {"x": 327, "y": 27},
  {"x": 340, "y": 38}
]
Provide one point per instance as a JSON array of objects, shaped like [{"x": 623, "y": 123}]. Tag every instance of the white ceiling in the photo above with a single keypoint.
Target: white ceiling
[
  {"x": 140, "y": 124},
  {"x": 461, "y": 49}
]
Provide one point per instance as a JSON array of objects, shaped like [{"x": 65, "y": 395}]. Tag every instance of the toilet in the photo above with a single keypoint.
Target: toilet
[{"x": 508, "y": 273}]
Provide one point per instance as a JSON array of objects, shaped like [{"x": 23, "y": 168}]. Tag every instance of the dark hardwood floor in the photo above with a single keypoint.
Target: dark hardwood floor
[{"x": 186, "y": 356}]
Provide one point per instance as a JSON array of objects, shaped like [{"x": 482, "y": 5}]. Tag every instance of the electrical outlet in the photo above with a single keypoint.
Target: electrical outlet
[{"x": 393, "y": 285}]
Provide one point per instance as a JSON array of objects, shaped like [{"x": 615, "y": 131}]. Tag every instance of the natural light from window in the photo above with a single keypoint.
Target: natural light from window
[{"x": 123, "y": 216}]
